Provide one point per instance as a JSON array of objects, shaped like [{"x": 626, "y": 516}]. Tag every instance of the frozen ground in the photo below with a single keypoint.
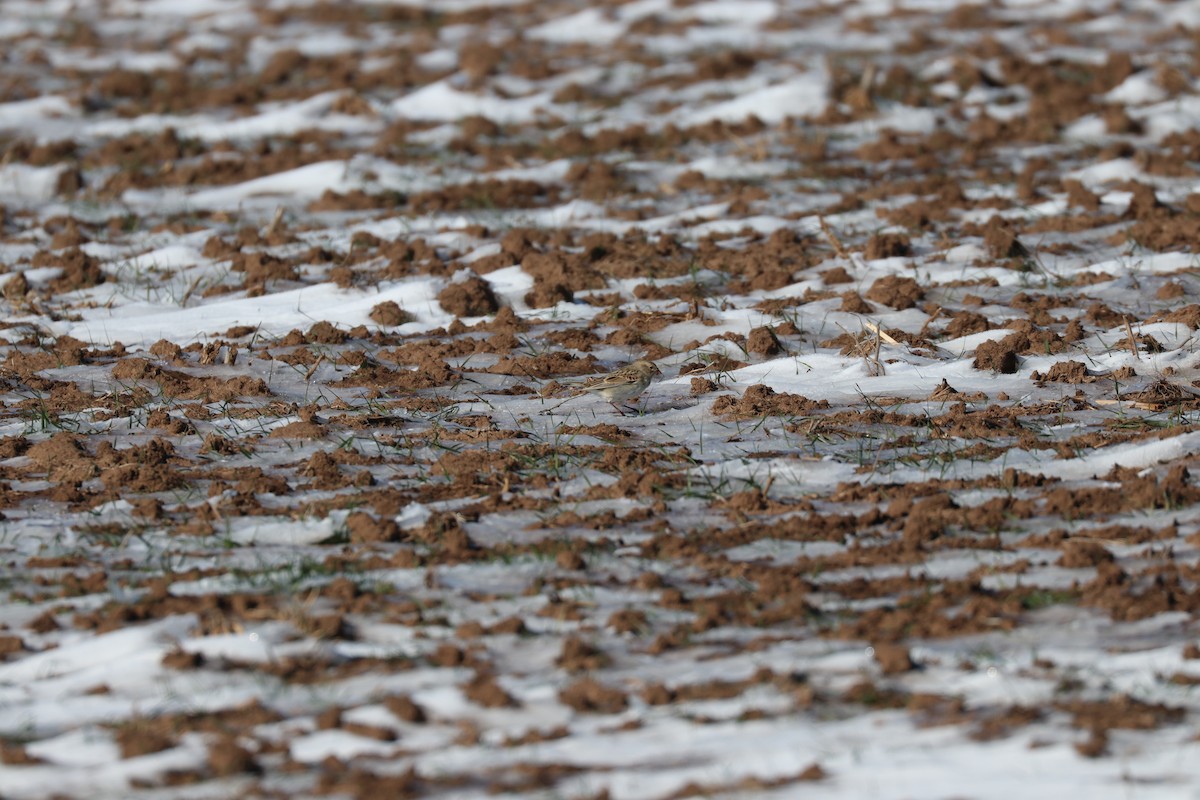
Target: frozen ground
[{"x": 297, "y": 499}]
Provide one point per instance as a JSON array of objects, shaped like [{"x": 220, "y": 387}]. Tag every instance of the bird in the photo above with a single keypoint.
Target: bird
[{"x": 622, "y": 384}]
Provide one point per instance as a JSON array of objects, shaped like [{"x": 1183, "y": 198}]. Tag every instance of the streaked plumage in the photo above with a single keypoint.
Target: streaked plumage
[{"x": 621, "y": 385}]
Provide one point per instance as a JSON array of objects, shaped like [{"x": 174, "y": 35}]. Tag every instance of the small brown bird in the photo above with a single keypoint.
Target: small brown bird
[{"x": 620, "y": 385}]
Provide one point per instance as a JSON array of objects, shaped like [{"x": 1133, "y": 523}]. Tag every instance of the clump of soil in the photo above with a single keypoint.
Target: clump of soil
[
  {"x": 1064, "y": 372},
  {"x": 390, "y": 314},
  {"x": 897, "y": 291},
  {"x": 472, "y": 297},
  {"x": 763, "y": 341},
  {"x": 1001, "y": 242},
  {"x": 79, "y": 270},
  {"x": 886, "y": 245},
  {"x": 589, "y": 695},
  {"x": 761, "y": 401},
  {"x": 997, "y": 356}
]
